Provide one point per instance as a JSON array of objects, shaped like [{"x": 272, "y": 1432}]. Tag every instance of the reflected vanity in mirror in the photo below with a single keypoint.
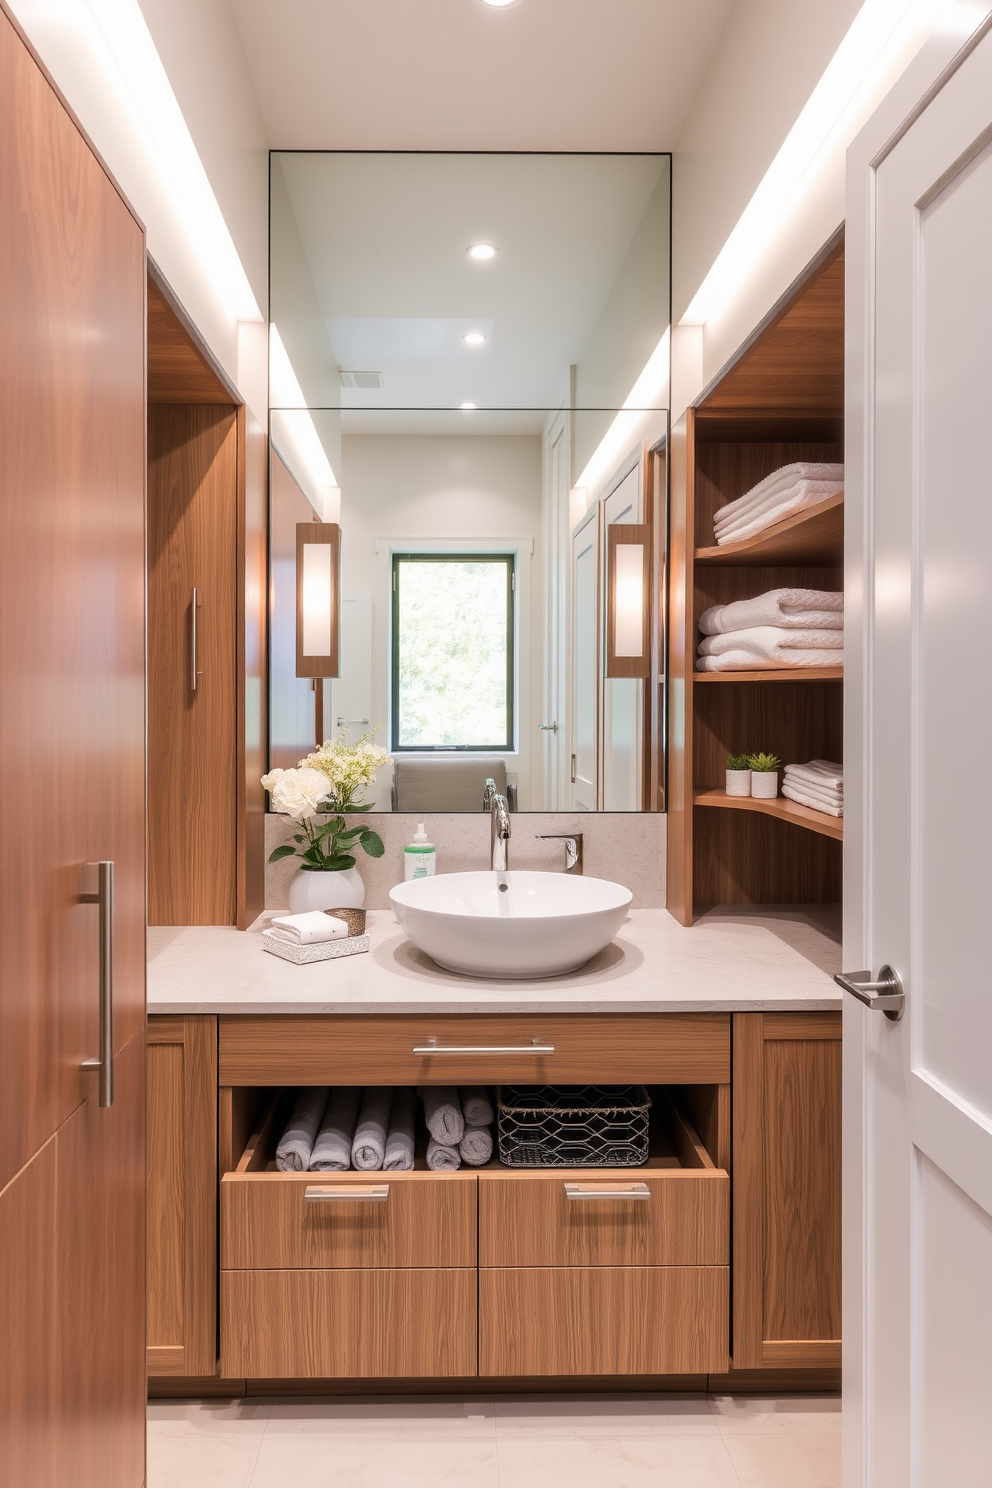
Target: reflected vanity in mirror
[{"x": 469, "y": 373}]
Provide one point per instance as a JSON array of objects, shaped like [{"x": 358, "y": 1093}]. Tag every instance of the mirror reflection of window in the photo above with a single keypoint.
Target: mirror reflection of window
[{"x": 452, "y": 663}]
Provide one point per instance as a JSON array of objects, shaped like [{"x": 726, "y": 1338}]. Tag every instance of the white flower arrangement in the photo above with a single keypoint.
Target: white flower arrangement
[
  {"x": 348, "y": 768},
  {"x": 296, "y": 793},
  {"x": 327, "y": 781}
]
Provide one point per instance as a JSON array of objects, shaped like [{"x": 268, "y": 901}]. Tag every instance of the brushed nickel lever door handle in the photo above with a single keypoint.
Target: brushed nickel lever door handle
[{"x": 882, "y": 995}]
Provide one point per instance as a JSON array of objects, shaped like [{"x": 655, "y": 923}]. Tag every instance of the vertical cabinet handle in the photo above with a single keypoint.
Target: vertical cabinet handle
[
  {"x": 193, "y": 671},
  {"x": 104, "y": 899}
]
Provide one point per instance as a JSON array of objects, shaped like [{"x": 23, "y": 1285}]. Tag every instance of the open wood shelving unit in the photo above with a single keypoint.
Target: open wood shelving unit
[{"x": 780, "y": 401}]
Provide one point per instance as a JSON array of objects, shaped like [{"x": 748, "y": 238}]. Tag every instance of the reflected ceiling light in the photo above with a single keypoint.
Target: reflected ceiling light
[
  {"x": 877, "y": 40},
  {"x": 468, "y": 405},
  {"x": 473, "y": 338},
  {"x": 482, "y": 252}
]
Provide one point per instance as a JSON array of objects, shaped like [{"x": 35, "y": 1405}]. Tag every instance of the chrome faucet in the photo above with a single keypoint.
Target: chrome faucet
[{"x": 499, "y": 837}]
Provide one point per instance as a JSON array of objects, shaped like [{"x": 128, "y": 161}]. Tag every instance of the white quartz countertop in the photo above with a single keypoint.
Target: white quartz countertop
[{"x": 731, "y": 960}]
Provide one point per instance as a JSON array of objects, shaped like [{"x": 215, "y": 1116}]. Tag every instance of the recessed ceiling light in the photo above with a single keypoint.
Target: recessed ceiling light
[
  {"x": 468, "y": 405},
  {"x": 473, "y": 338},
  {"x": 481, "y": 252},
  {"x": 499, "y": 4}
]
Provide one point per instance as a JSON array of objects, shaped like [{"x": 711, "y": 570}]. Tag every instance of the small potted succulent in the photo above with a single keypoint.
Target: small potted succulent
[
  {"x": 738, "y": 775},
  {"x": 764, "y": 775}
]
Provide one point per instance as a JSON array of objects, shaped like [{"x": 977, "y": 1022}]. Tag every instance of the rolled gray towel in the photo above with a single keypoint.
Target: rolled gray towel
[
  {"x": 442, "y": 1159},
  {"x": 443, "y": 1112},
  {"x": 400, "y": 1141},
  {"x": 477, "y": 1108},
  {"x": 369, "y": 1145},
  {"x": 476, "y": 1146},
  {"x": 332, "y": 1149},
  {"x": 296, "y": 1142}
]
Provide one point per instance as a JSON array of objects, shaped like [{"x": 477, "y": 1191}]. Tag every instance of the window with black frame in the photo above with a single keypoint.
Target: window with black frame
[{"x": 452, "y": 651}]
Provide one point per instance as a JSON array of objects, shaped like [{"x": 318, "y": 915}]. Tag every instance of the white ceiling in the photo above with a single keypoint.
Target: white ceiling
[
  {"x": 385, "y": 236},
  {"x": 458, "y": 74}
]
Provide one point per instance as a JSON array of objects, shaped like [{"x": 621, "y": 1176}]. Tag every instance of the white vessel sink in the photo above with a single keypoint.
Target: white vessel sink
[{"x": 539, "y": 925}]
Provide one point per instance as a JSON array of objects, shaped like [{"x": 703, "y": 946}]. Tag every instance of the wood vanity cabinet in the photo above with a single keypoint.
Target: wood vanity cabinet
[{"x": 182, "y": 1196}]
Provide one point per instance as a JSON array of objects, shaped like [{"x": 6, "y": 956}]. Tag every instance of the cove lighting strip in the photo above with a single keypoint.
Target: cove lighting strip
[
  {"x": 292, "y": 424},
  {"x": 146, "y": 93},
  {"x": 879, "y": 32},
  {"x": 648, "y": 394}
]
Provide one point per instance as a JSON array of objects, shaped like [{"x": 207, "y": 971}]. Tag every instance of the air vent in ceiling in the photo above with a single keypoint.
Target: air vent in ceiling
[{"x": 361, "y": 379}]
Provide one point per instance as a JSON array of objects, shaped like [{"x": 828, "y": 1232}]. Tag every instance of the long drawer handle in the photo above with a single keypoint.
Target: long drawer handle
[
  {"x": 536, "y": 1046},
  {"x": 362, "y": 1192},
  {"x": 594, "y": 1191}
]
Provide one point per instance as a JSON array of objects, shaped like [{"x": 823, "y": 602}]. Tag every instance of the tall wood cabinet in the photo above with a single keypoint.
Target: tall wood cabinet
[{"x": 72, "y": 781}]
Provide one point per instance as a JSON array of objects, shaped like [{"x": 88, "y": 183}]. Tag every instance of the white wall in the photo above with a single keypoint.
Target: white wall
[{"x": 440, "y": 486}]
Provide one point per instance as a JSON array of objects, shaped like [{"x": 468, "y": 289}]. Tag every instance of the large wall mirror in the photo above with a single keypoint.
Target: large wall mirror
[{"x": 469, "y": 380}]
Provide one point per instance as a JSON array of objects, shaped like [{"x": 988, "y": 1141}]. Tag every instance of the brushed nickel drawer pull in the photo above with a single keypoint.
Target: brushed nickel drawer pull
[
  {"x": 536, "y": 1046},
  {"x": 620, "y": 1191},
  {"x": 104, "y": 900},
  {"x": 362, "y": 1192}
]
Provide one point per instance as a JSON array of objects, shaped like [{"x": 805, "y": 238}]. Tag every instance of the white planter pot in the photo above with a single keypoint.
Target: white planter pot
[
  {"x": 738, "y": 782},
  {"x": 764, "y": 784},
  {"x": 315, "y": 890}
]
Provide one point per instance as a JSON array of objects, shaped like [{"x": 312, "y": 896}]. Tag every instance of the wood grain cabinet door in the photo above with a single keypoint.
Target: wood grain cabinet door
[
  {"x": 182, "y": 1196},
  {"x": 787, "y": 1194}
]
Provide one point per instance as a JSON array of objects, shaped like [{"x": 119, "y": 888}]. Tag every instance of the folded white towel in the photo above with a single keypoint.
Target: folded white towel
[
  {"x": 296, "y": 1143},
  {"x": 830, "y": 798},
  {"x": 769, "y": 640},
  {"x": 400, "y": 1141},
  {"x": 779, "y": 480},
  {"x": 441, "y": 1158},
  {"x": 311, "y": 928},
  {"x": 822, "y": 772},
  {"x": 477, "y": 1108},
  {"x": 332, "y": 1149},
  {"x": 802, "y": 799},
  {"x": 726, "y": 520},
  {"x": 443, "y": 1113},
  {"x": 749, "y": 661},
  {"x": 476, "y": 1146},
  {"x": 797, "y": 609},
  {"x": 797, "y": 498},
  {"x": 368, "y": 1146}
]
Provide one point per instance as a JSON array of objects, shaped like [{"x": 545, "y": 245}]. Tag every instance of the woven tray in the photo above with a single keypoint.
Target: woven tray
[
  {"x": 327, "y": 950},
  {"x": 577, "y": 1126}
]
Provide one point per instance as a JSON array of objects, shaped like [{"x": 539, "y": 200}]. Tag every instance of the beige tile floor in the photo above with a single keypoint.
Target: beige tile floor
[{"x": 617, "y": 1441}]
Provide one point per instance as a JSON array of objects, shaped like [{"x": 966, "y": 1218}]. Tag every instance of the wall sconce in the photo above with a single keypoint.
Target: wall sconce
[
  {"x": 628, "y": 606},
  {"x": 318, "y": 598}
]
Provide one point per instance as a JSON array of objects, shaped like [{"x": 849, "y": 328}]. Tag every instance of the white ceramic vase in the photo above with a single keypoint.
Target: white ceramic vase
[
  {"x": 764, "y": 784},
  {"x": 312, "y": 889},
  {"x": 738, "y": 782}
]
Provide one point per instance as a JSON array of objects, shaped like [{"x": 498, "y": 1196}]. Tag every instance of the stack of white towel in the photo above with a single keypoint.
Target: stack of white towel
[
  {"x": 819, "y": 784},
  {"x": 783, "y": 628},
  {"x": 776, "y": 497}
]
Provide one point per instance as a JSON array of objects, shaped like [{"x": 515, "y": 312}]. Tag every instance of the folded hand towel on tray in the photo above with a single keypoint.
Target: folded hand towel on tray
[
  {"x": 793, "y": 609},
  {"x": 750, "y": 661},
  {"x": 803, "y": 799},
  {"x": 770, "y": 640},
  {"x": 441, "y": 1158},
  {"x": 400, "y": 1141},
  {"x": 443, "y": 1113},
  {"x": 776, "y": 509},
  {"x": 296, "y": 1143},
  {"x": 476, "y": 1146},
  {"x": 332, "y": 1149},
  {"x": 477, "y": 1108},
  {"x": 779, "y": 480},
  {"x": 368, "y": 1147},
  {"x": 311, "y": 928}
]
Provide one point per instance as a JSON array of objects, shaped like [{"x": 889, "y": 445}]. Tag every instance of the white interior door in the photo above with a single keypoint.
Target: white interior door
[
  {"x": 557, "y": 544},
  {"x": 586, "y": 629},
  {"x": 918, "y": 1092},
  {"x": 623, "y": 697},
  {"x": 351, "y": 693}
]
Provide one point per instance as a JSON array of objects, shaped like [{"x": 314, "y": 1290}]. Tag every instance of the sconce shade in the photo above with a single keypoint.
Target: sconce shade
[
  {"x": 628, "y": 600},
  {"x": 318, "y": 598}
]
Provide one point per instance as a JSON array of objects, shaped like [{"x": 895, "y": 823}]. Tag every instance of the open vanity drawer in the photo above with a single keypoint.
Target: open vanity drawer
[
  {"x": 345, "y": 1274},
  {"x": 608, "y": 1271}
]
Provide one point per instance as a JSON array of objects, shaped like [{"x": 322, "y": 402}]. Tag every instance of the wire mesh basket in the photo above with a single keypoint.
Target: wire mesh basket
[{"x": 575, "y": 1126}]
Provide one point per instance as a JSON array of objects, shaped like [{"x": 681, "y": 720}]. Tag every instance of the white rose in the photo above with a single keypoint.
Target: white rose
[
  {"x": 270, "y": 781},
  {"x": 298, "y": 793}
]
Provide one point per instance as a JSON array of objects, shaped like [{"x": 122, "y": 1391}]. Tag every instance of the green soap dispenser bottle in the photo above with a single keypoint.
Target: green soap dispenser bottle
[{"x": 419, "y": 856}]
